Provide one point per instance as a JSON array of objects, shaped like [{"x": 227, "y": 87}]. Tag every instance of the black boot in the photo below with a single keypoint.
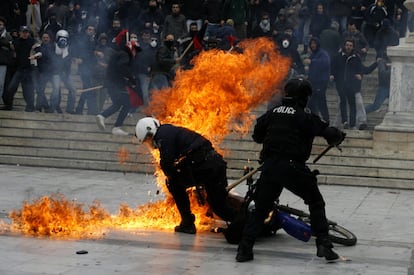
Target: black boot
[
  {"x": 324, "y": 249},
  {"x": 186, "y": 225},
  {"x": 245, "y": 249}
]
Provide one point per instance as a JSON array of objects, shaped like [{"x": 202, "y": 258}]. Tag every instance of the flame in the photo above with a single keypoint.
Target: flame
[
  {"x": 218, "y": 94},
  {"x": 123, "y": 155},
  {"x": 58, "y": 217},
  {"x": 214, "y": 98}
]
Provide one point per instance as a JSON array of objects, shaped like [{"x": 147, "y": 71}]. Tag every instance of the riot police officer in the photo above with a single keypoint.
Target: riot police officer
[
  {"x": 187, "y": 159},
  {"x": 287, "y": 132}
]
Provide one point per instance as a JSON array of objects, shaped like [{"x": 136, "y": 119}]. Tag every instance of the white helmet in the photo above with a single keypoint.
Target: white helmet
[
  {"x": 62, "y": 39},
  {"x": 62, "y": 33},
  {"x": 146, "y": 126}
]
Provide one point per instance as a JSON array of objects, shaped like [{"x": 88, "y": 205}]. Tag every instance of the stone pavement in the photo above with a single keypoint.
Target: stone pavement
[{"x": 382, "y": 219}]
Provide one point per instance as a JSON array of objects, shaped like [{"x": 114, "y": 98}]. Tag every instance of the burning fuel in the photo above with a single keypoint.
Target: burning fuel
[{"x": 215, "y": 98}]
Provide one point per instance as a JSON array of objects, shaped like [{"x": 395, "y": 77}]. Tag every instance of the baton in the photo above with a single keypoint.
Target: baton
[
  {"x": 248, "y": 175},
  {"x": 325, "y": 151},
  {"x": 90, "y": 89},
  {"x": 186, "y": 49}
]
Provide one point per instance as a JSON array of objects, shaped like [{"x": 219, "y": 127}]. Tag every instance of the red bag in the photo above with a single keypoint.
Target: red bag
[{"x": 134, "y": 98}]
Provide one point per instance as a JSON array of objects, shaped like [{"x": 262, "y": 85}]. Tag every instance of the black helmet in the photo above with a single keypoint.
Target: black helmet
[
  {"x": 299, "y": 90},
  {"x": 298, "y": 87}
]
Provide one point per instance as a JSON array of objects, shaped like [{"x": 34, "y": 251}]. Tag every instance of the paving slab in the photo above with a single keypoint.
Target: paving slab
[{"x": 382, "y": 219}]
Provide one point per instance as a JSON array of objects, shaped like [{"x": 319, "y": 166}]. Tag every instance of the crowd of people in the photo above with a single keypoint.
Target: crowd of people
[{"x": 41, "y": 41}]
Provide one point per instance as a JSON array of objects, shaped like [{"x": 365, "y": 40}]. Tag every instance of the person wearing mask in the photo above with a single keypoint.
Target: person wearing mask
[
  {"x": 287, "y": 132},
  {"x": 191, "y": 45},
  {"x": 187, "y": 159},
  {"x": 62, "y": 61},
  {"x": 166, "y": 61},
  {"x": 264, "y": 28},
  {"x": 146, "y": 61},
  {"x": 113, "y": 32}
]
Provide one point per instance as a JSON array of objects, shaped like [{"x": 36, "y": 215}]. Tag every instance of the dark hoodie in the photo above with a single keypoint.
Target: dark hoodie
[{"x": 319, "y": 68}]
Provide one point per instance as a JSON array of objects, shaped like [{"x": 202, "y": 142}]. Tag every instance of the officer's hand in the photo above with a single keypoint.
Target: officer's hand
[{"x": 333, "y": 136}]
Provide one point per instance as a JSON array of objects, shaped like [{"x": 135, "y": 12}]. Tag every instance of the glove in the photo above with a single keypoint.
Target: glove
[{"x": 333, "y": 136}]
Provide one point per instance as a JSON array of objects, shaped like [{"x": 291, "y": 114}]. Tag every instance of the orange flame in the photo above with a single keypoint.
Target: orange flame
[
  {"x": 214, "y": 98},
  {"x": 217, "y": 95},
  {"x": 123, "y": 155}
]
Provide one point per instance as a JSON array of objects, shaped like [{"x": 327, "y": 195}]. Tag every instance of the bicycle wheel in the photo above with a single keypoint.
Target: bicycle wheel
[
  {"x": 337, "y": 234},
  {"x": 340, "y": 235}
]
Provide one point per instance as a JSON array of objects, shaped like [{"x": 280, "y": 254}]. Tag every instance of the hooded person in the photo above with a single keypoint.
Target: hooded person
[
  {"x": 318, "y": 74},
  {"x": 120, "y": 83}
]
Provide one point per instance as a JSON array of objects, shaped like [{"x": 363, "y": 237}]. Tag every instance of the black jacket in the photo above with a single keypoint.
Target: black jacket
[
  {"x": 175, "y": 143},
  {"x": 119, "y": 73},
  {"x": 23, "y": 48},
  {"x": 344, "y": 68},
  {"x": 45, "y": 62},
  {"x": 287, "y": 132}
]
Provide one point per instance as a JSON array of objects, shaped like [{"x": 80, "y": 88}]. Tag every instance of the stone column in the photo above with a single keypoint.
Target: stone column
[
  {"x": 400, "y": 115},
  {"x": 394, "y": 137}
]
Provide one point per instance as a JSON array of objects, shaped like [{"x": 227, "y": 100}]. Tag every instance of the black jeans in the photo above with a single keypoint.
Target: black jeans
[
  {"x": 297, "y": 178},
  {"x": 23, "y": 77},
  {"x": 347, "y": 98}
]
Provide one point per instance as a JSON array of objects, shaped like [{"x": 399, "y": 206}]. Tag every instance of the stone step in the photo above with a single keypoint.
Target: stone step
[{"x": 74, "y": 141}]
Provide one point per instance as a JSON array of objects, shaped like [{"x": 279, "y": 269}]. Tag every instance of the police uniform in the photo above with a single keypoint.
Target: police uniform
[
  {"x": 287, "y": 132},
  {"x": 188, "y": 159}
]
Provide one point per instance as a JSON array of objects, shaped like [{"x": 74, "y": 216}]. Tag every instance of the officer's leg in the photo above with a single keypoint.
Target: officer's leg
[
  {"x": 215, "y": 183},
  {"x": 267, "y": 191},
  {"x": 304, "y": 184},
  {"x": 179, "y": 193}
]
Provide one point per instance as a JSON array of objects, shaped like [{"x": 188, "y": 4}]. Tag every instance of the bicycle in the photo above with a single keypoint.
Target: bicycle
[{"x": 294, "y": 221}]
